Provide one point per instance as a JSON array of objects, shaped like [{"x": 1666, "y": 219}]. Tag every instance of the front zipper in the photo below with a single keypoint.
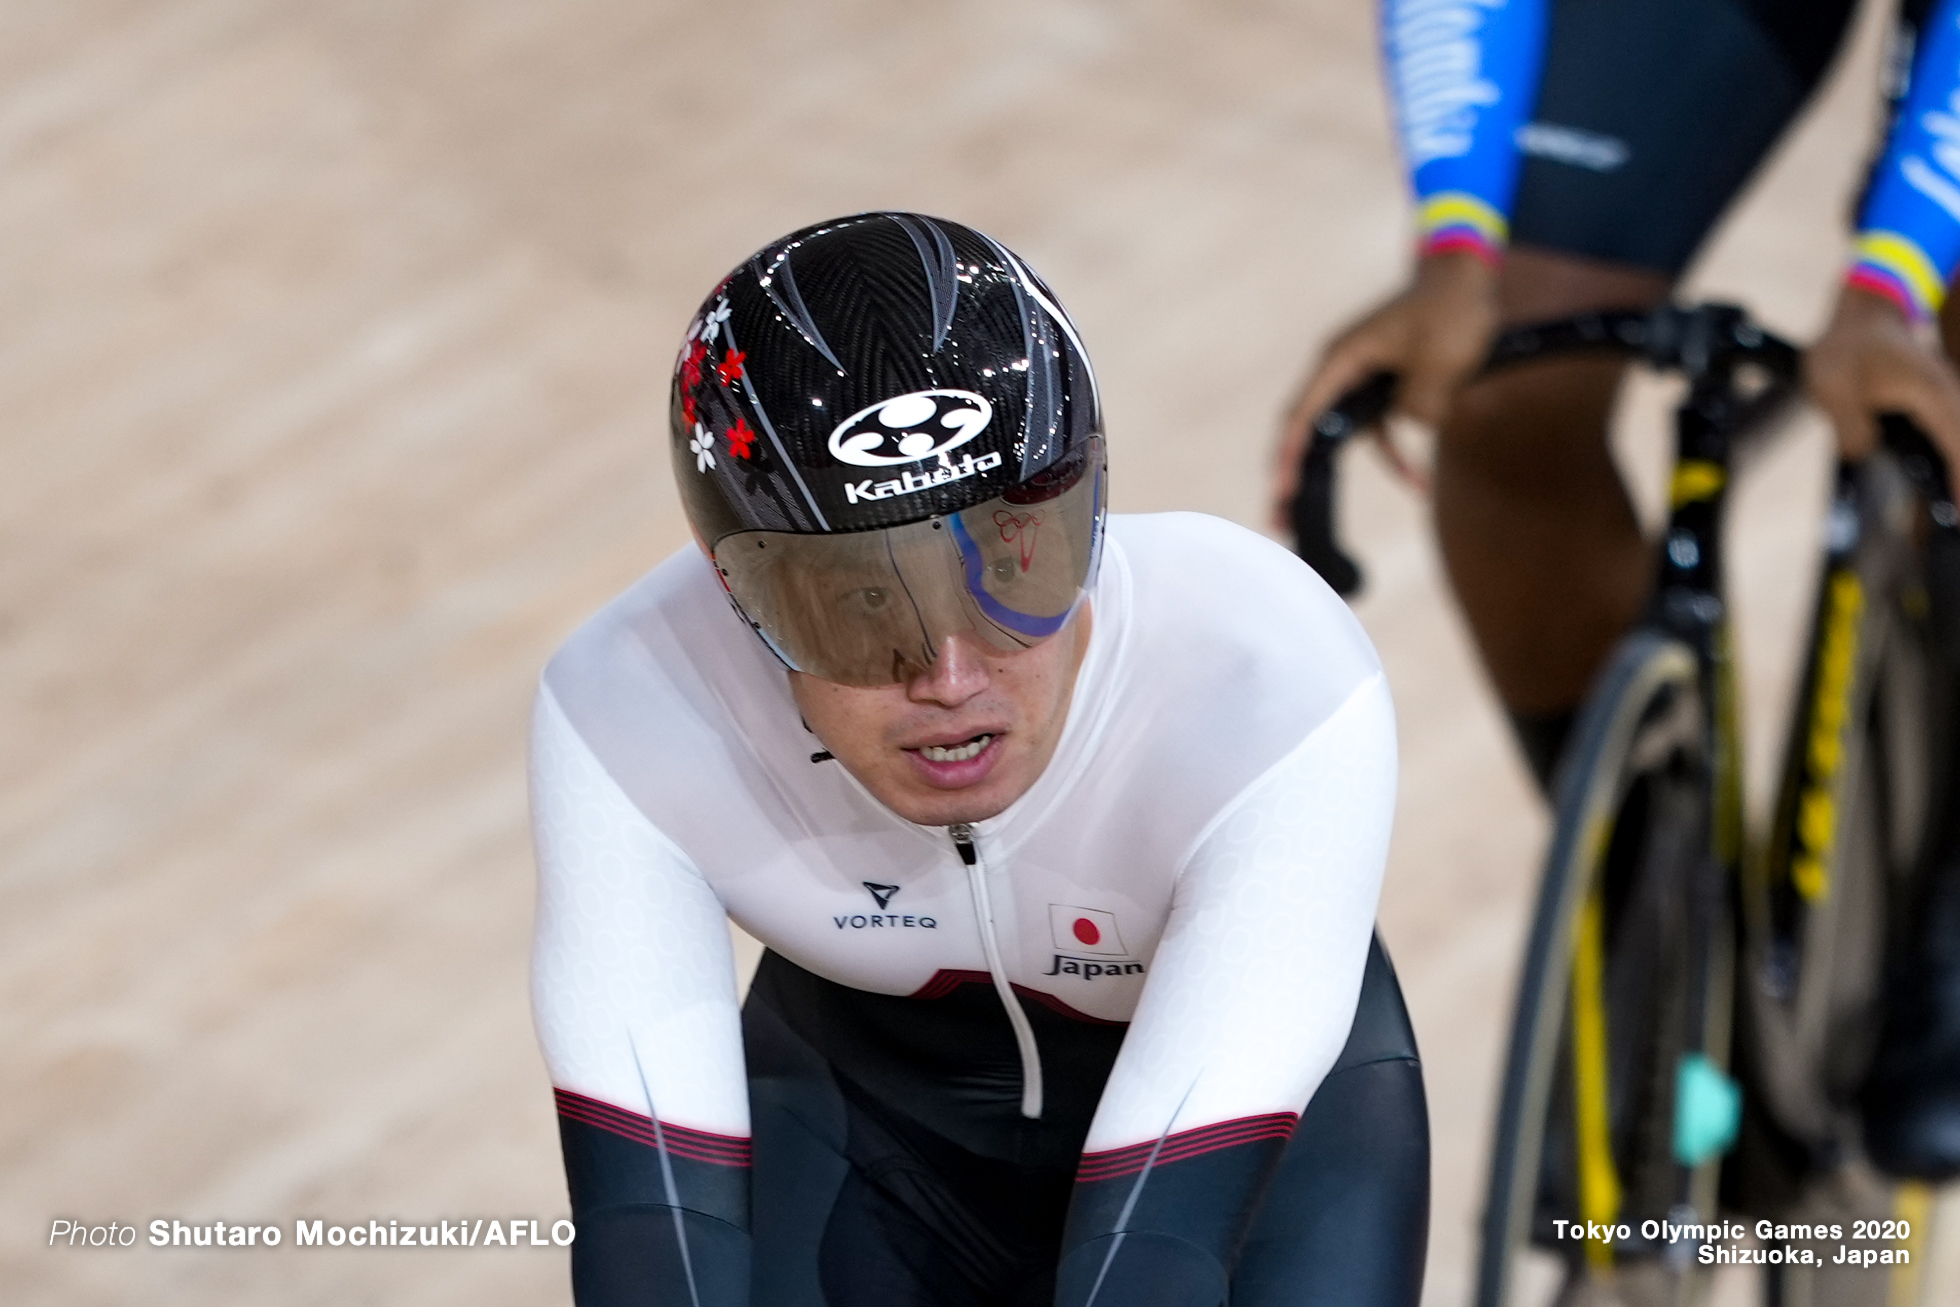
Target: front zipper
[{"x": 976, "y": 880}]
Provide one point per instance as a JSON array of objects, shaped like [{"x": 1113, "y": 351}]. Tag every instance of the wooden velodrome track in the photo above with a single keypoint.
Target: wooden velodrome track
[{"x": 334, "y": 368}]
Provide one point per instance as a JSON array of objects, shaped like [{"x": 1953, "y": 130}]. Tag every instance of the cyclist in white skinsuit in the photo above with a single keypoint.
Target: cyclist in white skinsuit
[{"x": 1053, "y": 1051}]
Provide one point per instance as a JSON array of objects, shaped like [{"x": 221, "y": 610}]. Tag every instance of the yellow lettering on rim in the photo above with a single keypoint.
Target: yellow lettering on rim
[
  {"x": 1599, "y": 1180},
  {"x": 1913, "y": 1207},
  {"x": 1830, "y": 712}
]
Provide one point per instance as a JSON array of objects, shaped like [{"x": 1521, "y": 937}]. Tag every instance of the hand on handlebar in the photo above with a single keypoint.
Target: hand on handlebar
[
  {"x": 1435, "y": 334},
  {"x": 1871, "y": 360}
]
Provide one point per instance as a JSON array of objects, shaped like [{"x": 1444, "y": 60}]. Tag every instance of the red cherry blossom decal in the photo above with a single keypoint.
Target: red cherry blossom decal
[
  {"x": 691, "y": 365},
  {"x": 730, "y": 367},
  {"x": 1085, "y": 930},
  {"x": 741, "y": 439}
]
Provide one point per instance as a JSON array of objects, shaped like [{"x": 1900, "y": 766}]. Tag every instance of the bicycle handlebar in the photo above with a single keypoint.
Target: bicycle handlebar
[
  {"x": 1313, "y": 505},
  {"x": 1707, "y": 343}
]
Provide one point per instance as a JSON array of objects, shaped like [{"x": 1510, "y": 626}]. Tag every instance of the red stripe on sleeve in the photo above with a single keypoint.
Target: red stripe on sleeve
[
  {"x": 680, "y": 1140},
  {"x": 1114, "y": 1162}
]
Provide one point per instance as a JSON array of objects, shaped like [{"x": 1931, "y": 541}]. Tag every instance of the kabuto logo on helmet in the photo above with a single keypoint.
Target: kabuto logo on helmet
[{"x": 909, "y": 428}]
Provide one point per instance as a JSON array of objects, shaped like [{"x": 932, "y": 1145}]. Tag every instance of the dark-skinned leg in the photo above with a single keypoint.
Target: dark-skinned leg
[{"x": 1538, "y": 534}]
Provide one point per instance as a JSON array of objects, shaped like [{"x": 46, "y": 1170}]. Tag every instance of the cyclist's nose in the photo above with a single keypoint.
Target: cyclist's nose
[{"x": 957, "y": 674}]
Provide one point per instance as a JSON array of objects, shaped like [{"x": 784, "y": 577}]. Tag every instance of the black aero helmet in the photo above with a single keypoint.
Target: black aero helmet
[{"x": 886, "y": 432}]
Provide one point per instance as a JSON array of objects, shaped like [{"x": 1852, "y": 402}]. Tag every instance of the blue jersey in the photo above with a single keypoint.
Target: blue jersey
[
  {"x": 1909, "y": 229},
  {"x": 1464, "y": 75}
]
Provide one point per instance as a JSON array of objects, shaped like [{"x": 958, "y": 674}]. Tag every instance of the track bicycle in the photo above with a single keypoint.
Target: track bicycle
[{"x": 1681, "y": 992}]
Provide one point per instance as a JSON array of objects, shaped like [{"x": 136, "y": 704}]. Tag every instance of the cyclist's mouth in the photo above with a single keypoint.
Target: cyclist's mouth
[
  {"x": 955, "y": 752},
  {"x": 957, "y": 764}
]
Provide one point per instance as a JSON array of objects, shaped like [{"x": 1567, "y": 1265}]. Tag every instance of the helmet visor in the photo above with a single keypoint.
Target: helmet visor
[{"x": 872, "y": 607}]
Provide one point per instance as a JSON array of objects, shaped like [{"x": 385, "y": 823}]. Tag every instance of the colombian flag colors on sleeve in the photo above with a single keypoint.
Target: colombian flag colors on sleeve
[
  {"x": 1894, "y": 266},
  {"x": 1457, "y": 220},
  {"x": 1909, "y": 230}
]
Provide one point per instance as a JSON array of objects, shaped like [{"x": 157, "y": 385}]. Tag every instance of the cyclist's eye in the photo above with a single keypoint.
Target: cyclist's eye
[{"x": 871, "y": 598}]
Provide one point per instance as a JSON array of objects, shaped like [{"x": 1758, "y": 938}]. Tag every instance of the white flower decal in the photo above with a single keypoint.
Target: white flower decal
[
  {"x": 711, "y": 323},
  {"x": 703, "y": 448}
]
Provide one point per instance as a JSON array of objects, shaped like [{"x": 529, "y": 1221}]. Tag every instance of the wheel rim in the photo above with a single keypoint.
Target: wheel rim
[{"x": 1647, "y": 719}]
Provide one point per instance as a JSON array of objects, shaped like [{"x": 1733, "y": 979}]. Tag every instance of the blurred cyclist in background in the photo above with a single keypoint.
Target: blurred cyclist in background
[
  {"x": 1064, "y": 844},
  {"x": 1569, "y": 155}
]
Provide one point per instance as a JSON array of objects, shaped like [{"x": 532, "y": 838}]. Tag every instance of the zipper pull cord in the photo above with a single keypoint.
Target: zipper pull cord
[{"x": 1017, "y": 1017}]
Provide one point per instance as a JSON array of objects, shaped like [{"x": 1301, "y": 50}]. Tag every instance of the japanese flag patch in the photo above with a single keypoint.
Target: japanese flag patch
[{"x": 1085, "y": 931}]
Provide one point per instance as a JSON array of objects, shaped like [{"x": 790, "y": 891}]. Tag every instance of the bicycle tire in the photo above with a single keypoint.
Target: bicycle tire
[
  {"x": 1849, "y": 836},
  {"x": 1625, "y": 974}
]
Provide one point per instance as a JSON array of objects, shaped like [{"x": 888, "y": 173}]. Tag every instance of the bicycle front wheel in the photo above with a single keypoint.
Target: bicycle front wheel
[
  {"x": 1616, "y": 1104},
  {"x": 1849, "y": 838}
]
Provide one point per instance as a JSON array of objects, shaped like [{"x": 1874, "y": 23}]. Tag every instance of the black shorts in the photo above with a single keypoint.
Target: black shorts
[
  {"x": 1653, "y": 114},
  {"x": 856, "y": 1203}
]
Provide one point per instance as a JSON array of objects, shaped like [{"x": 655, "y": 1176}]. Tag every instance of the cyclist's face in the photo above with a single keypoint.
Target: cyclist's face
[{"x": 959, "y": 740}]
